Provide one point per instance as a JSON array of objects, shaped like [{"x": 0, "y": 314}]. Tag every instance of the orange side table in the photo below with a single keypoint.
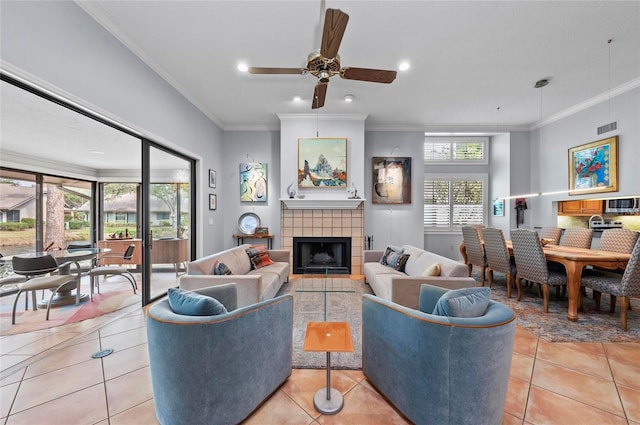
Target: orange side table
[{"x": 329, "y": 337}]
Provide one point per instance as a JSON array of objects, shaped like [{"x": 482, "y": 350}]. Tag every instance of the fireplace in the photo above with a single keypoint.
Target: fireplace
[{"x": 317, "y": 254}]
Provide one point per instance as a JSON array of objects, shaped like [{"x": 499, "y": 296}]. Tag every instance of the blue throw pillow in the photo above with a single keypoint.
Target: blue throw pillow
[
  {"x": 193, "y": 304},
  {"x": 465, "y": 302}
]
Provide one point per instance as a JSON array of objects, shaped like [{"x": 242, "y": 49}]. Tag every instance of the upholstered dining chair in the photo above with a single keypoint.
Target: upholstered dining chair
[
  {"x": 577, "y": 237},
  {"x": 618, "y": 240},
  {"x": 550, "y": 233},
  {"x": 532, "y": 264},
  {"x": 474, "y": 249},
  {"x": 96, "y": 272},
  {"x": 37, "y": 271},
  {"x": 498, "y": 258},
  {"x": 625, "y": 286}
]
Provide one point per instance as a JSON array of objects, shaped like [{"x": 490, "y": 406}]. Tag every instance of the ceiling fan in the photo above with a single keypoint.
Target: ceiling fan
[{"x": 325, "y": 63}]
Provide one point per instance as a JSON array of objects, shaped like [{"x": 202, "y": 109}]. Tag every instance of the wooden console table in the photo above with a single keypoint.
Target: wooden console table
[
  {"x": 240, "y": 239},
  {"x": 120, "y": 246},
  {"x": 170, "y": 251}
]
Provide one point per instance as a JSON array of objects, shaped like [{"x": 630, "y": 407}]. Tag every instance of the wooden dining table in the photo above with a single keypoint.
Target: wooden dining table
[{"x": 574, "y": 260}]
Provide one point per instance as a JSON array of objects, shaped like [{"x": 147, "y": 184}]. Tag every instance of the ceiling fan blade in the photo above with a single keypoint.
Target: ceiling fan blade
[
  {"x": 319, "y": 94},
  {"x": 335, "y": 23},
  {"x": 365, "y": 74},
  {"x": 276, "y": 71}
]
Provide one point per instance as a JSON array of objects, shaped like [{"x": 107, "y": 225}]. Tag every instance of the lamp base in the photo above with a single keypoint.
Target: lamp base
[{"x": 331, "y": 406}]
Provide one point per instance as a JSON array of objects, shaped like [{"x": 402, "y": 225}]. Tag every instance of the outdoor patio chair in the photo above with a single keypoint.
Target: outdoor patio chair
[{"x": 96, "y": 272}]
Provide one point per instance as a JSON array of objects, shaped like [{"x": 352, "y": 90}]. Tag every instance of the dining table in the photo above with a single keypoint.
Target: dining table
[
  {"x": 64, "y": 258},
  {"x": 574, "y": 260}
]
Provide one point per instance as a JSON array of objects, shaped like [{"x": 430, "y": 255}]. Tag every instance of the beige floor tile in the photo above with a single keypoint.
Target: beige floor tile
[
  {"x": 11, "y": 343},
  {"x": 631, "y": 402},
  {"x": 525, "y": 342},
  {"x": 7, "y": 395},
  {"x": 123, "y": 340},
  {"x": 10, "y": 360},
  {"x": 279, "y": 409},
  {"x": 517, "y": 393},
  {"x": 86, "y": 406},
  {"x": 303, "y": 384},
  {"x": 125, "y": 361},
  {"x": 142, "y": 414},
  {"x": 578, "y": 386},
  {"x": 567, "y": 356},
  {"x": 52, "y": 385},
  {"x": 364, "y": 406},
  {"x": 43, "y": 344},
  {"x": 625, "y": 373},
  {"x": 625, "y": 352},
  {"x": 127, "y": 391},
  {"x": 521, "y": 366},
  {"x": 595, "y": 348},
  {"x": 547, "y": 407},
  {"x": 508, "y": 419},
  {"x": 124, "y": 324},
  {"x": 13, "y": 377},
  {"x": 62, "y": 358}
]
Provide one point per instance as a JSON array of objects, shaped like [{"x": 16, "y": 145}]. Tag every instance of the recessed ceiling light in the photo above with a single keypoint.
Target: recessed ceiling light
[
  {"x": 349, "y": 98},
  {"x": 242, "y": 67},
  {"x": 404, "y": 66},
  {"x": 297, "y": 99}
]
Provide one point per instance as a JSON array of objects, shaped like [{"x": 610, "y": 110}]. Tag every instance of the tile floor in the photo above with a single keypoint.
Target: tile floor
[{"x": 49, "y": 377}]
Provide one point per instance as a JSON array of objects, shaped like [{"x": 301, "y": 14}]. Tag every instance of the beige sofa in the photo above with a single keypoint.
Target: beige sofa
[
  {"x": 253, "y": 285},
  {"x": 404, "y": 287}
]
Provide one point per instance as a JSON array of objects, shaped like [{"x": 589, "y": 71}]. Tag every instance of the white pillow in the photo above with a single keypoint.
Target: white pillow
[{"x": 432, "y": 270}]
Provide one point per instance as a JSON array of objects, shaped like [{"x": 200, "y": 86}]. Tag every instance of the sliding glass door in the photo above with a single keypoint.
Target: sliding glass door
[{"x": 167, "y": 218}]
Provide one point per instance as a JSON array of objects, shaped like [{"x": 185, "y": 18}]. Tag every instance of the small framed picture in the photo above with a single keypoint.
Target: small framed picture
[
  {"x": 213, "y": 201},
  {"x": 498, "y": 207},
  {"x": 212, "y": 179}
]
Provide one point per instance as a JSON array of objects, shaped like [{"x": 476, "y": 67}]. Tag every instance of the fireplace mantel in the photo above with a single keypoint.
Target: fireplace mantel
[{"x": 321, "y": 204}]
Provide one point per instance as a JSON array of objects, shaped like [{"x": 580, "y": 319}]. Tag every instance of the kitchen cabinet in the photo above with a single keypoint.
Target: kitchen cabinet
[{"x": 580, "y": 207}]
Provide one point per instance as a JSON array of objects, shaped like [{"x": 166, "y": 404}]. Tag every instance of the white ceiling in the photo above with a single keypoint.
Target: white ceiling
[{"x": 467, "y": 59}]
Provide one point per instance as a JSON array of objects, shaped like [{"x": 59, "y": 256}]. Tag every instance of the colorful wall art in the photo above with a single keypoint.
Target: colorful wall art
[
  {"x": 253, "y": 182},
  {"x": 322, "y": 162}
]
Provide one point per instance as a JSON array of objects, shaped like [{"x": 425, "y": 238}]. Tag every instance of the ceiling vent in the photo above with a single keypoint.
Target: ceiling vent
[{"x": 608, "y": 127}]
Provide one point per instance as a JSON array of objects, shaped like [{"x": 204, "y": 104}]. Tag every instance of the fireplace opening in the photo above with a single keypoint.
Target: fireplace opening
[{"x": 317, "y": 255}]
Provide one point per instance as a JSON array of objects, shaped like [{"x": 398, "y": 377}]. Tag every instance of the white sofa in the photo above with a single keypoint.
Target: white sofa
[
  {"x": 253, "y": 285},
  {"x": 404, "y": 287}
]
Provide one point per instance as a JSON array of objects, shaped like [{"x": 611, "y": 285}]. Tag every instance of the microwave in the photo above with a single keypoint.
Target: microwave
[{"x": 622, "y": 206}]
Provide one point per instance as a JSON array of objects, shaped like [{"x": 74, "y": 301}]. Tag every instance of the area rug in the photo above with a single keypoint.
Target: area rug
[
  {"x": 114, "y": 296},
  {"x": 344, "y": 305},
  {"x": 592, "y": 326}
]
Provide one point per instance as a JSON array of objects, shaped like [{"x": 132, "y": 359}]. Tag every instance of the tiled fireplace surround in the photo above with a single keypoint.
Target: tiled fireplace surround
[{"x": 324, "y": 222}]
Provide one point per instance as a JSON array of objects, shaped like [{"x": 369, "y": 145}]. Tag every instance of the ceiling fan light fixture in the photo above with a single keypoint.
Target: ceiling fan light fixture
[
  {"x": 349, "y": 98},
  {"x": 243, "y": 67},
  {"x": 404, "y": 66}
]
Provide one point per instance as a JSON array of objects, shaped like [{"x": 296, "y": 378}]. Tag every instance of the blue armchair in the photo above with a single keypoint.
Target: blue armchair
[
  {"x": 438, "y": 369},
  {"x": 218, "y": 369}
]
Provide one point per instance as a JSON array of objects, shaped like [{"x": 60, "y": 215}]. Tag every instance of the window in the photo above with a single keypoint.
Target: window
[
  {"x": 13, "y": 215},
  {"x": 459, "y": 150},
  {"x": 451, "y": 202}
]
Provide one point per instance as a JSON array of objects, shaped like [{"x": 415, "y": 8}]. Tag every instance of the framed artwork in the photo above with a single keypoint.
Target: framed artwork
[
  {"x": 253, "y": 182},
  {"x": 322, "y": 162},
  {"x": 593, "y": 167},
  {"x": 212, "y": 178},
  {"x": 498, "y": 207},
  {"x": 213, "y": 201},
  {"x": 391, "y": 180}
]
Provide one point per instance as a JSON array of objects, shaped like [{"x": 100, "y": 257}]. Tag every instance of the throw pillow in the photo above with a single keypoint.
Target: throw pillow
[
  {"x": 221, "y": 268},
  {"x": 465, "y": 302},
  {"x": 259, "y": 256},
  {"x": 190, "y": 303},
  {"x": 388, "y": 250},
  {"x": 432, "y": 270},
  {"x": 397, "y": 261}
]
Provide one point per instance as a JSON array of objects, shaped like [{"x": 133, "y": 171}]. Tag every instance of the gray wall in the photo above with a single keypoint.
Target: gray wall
[{"x": 60, "y": 47}]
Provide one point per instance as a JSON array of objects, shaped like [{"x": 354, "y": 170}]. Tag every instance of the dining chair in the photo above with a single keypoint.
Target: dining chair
[
  {"x": 618, "y": 240},
  {"x": 625, "y": 286},
  {"x": 474, "y": 249},
  {"x": 38, "y": 272},
  {"x": 577, "y": 237},
  {"x": 86, "y": 265},
  {"x": 13, "y": 279},
  {"x": 96, "y": 272},
  {"x": 550, "y": 233},
  {"x": 498, "y": 258},
  {"x": 532, "y": 264}
]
